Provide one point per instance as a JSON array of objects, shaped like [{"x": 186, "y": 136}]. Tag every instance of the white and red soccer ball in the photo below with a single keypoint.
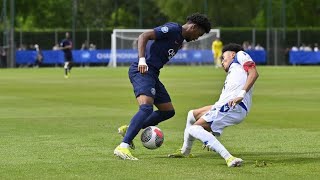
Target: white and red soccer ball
[{"x": 152, "y": 137}]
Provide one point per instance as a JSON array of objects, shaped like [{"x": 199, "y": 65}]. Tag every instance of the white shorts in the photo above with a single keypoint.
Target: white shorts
[{"x": 222, "y": 117}]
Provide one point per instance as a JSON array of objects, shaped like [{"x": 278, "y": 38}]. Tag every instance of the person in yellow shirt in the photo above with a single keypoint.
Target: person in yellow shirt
[{"x": 217, "y": 51}]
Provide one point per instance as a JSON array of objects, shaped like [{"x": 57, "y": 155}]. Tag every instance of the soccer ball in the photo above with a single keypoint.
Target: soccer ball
[{"x": 152, "y": 137}]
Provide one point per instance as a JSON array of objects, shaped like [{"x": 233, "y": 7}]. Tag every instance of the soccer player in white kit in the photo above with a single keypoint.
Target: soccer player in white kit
[{"x": 231, "y": 108}]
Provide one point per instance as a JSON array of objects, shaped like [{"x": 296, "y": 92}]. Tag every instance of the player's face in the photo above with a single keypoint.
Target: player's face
[
  {"x": 195, "y": 33},
  {"x": 226, "y": 59}
]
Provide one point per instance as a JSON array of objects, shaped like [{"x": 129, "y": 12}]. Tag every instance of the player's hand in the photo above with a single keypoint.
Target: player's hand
[
  {"x": 142, "y": 65},
  {"x": 238, "y": 99},
  {"x": 235, "y": 101}
]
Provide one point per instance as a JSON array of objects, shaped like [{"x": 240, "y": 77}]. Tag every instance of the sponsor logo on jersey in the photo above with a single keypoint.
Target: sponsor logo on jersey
[
  {"x": 171, "y": 53},
  {"x": 153, "y": 91}
]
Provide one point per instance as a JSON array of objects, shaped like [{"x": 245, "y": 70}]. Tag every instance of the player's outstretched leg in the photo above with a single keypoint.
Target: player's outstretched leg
[
  {"x": 234, "y": 162},
  {"x": 187, "y": 140},
  {"x": 212, "y": 142}
]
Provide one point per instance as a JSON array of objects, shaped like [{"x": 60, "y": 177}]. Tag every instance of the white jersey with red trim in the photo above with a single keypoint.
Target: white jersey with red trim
[{"x": 235, "y": 80}]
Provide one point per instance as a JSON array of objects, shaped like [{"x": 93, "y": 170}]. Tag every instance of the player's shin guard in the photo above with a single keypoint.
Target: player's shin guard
[
  {"x": 136, "y": 122},
  {"x": 158, "y": 116},
  {"x": 209, "y": 140},
  {"x": 188, "y": 139}
]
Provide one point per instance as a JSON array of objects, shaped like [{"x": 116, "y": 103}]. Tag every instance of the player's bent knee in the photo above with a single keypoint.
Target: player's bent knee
[
  {"x": 147, "y": 108},
  {"x": 190, "y": 118},
  {"x": 168, "y": 114},
  {"x": 201, "y": 111}
]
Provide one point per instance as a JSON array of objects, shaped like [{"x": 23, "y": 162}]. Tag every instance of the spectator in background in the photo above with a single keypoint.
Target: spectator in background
[
  {"x": 3, "y": 60},
  {"x": 92, "y": 47},
  {"x": 258, "y": 47},
  {"x": 39, "y": 56},
  {"x": 56, "y": 47},
  {"x": 66, "y": 47},
  {"x": 217, "y": 51},
  {"x": 22, "y": 47},
  {"x": 294, "y": 48},
  {"x": 301, "y": 48},
  {"x": 246, "y": 45},
  {"x": 315, "y": 47},
  {"x": 85, "y": 45},
  {"x": 308, "y": 48}
]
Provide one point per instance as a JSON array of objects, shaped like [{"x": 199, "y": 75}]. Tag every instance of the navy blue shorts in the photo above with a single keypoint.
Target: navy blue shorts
[{"x": 148, "y": 84}]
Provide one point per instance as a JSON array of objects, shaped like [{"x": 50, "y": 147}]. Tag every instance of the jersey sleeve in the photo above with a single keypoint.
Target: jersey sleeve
[
  {"x": 245, "y": 60},
  {"x": 165, "y": 31}
]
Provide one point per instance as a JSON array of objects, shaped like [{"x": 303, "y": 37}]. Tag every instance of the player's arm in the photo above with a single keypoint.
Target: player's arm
[
  {"x": 253, "y": 75},
  {"x": 69, "y": 46},
  {"x": 66, "y": 47},
  {"x": 142, "y": 42}
]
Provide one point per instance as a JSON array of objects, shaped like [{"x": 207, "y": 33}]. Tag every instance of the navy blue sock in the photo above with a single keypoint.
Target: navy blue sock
[
  {"x": 156, "y": 117},
  {"x": 136, "y": 122}
]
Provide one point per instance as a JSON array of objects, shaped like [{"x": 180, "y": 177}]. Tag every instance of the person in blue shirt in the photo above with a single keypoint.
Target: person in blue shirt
[
  {"x": 155, "y": 48},
  {"x": 66, "y": 47}
]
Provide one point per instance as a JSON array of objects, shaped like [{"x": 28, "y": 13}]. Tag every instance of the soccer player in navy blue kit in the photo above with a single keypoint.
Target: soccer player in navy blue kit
[
  {"x": 66, "y": 46},
  {"x": 156, "y": 47}
]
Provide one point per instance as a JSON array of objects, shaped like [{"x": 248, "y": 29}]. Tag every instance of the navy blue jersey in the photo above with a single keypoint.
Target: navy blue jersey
[
  {"x": 158, "y": 52},
  {"x": 67, "y": 52},
  {"x": 168, "y": 41}
]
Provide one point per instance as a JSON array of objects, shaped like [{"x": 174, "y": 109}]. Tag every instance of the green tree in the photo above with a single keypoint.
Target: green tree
[
  {"x": 149, "y": 13},
  {"x": 43, "y": 14},
  {"x": 94, "y": 14},
  {"x": 222, "y": 13},
  {"x": 303, "y": 13}
]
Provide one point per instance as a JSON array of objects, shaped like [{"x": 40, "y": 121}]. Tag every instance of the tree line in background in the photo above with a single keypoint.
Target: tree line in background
[{"x": 52, "y": 14}]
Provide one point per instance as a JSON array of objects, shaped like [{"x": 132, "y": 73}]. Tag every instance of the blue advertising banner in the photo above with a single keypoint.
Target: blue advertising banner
[
  {"x": 124, "y": 56},
  {"x": 258, "y": 56},
  {"x": 303, "y": 57}
]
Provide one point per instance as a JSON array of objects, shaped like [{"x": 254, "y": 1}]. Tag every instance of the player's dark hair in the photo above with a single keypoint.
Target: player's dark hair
[
  {"x": 232, "y": 47},
  {"x": 201, "y": 20}
]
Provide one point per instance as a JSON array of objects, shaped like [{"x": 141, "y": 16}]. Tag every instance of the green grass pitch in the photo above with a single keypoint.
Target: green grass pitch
[{"x": 56, "y": 128}]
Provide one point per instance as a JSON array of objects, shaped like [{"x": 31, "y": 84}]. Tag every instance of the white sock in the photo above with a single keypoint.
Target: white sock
[
  {"x": 124, "y": 145},
  {"x": 66, "y": 65},
  {"x": 208, "y": 139},
  {"x": 188, "y": 140}
]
